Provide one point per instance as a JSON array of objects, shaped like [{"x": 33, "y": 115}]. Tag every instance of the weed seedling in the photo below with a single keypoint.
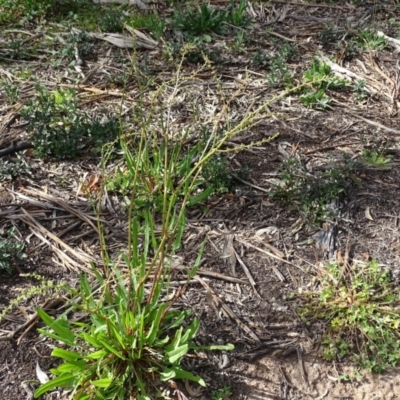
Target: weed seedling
[
  {"x": 221, "y": 394},
  {"x": 320, "y": 77},
  {"x": 370, "y": 40},
  {"x": 279, "y": 71},
  {"x": 315, "y": 99},
  {"x": 376, "y": 158},
  {"x": 359, "y": 90},
  {"x": 375, "y": 154}
]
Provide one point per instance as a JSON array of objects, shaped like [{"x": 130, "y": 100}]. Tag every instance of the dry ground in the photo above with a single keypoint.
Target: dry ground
[{"x": 276, "y": 356}]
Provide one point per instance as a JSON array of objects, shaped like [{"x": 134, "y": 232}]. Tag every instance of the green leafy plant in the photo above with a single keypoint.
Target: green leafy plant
[
  {"x": 316, "y": 99},
  {"x": 200, "y": 20},
  {"x": 279, "y": 71},
  {"x": 133, "y": 342},
  {"x": 237, "y": 15},
  {"x": 60, "y": 129},
  {"x": 309, "y": 194},
  {"x": 376, "y": 154},
  {"x": 11, "y": 169},
  {"x": 376, "y": 158},
  {"x": 216, "y": 176},
  {"x": 221, "y": 394},
  {"x": 11, "y": 250},
  {"x": 369, "y": 39},
  {"x": 359, "y": 305},
  {"x": 24, "y": 10},
  {"x": 112, "y": 21},
  {"x": 359, "y": 90},
  {"x": 239, "y": 42},
  {"x": 320, "y": 77},
  {"x": 151, "y": 21},
  {"x": 11, "y": 90}
]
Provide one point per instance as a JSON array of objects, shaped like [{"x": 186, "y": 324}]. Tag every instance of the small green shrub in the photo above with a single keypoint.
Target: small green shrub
[
  {"x": 11, "y": 250},
  {"x": 359, "y": 306},
  {"x": 60, "y": 129},
  {"x": 279, "y": 71},
  {"x": 11, "y": 169},
  {"x": 112, "y": 21}
]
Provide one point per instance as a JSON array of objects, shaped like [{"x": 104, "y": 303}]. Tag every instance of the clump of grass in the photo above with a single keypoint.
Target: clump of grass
[
  {"x": 204, "y": 19},
  {"x": 150, "y": 21},
  {"x": 359, "y": 307}
]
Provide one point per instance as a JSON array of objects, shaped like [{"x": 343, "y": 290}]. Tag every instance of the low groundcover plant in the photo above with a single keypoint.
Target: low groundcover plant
[{"x": 359, "y": 306}]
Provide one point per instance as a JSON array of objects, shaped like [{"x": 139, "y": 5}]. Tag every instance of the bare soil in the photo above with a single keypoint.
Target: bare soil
[{"x": 276, "y": 356}]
